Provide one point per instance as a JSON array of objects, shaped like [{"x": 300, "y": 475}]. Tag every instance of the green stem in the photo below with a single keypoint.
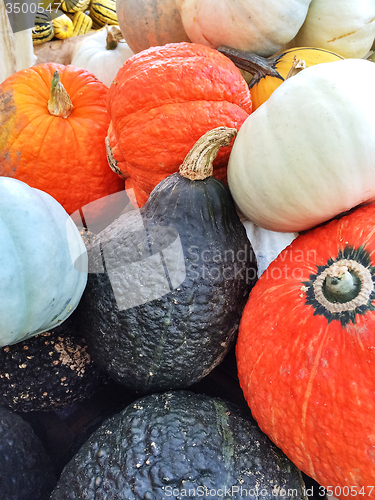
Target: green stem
[
  {"x": 59, "y": 103},
  {"x": 341, "y": 285},
  {"x": 198, "y": 163}
]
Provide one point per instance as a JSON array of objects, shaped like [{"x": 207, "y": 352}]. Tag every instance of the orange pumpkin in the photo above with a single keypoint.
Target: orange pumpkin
[
  {"x": 162, "y": 101},
  {"x": 63, "y": 156},
  {"x": 306, "y": 353}
]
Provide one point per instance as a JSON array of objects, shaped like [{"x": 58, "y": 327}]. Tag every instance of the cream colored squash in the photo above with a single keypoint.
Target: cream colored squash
[
  {"x": 308, "y": 153},
  {"x": 102, "y": 54},
  {"x": 346, "y": 27},
  {"x": 262, "y": 27},
  {"x": 16, "y": 49},
  {"x": 148, "y": 23}
]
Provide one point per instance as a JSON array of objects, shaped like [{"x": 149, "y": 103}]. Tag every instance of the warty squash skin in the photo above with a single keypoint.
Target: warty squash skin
[
  {"x": 164, "y": 445},
  {"x": 48, "y": 371},
  {"x": 161, "y": 102},
  {"x": 165, "y": 309},
  {"x": 308, "y": 153},
  {"x": 305, "y": 353},
  {"x": 26, "y": 469}
]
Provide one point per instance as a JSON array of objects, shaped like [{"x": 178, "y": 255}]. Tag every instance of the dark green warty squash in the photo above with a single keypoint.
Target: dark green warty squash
[
  {"x": 26, "y": 471},
  {"x": 179, "y": 445},
  {"x": 168, "y": 282}
]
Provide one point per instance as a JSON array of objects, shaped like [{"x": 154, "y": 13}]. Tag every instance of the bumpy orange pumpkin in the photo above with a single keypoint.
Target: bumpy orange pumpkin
[
  {"x": 306, "y": 353},
  {"x": 57, "y": 147},
  {"x": 162, "y": 101}
]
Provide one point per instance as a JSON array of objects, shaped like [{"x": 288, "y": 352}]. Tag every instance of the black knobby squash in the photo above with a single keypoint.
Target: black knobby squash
[
  {"x": 26, "y": 471},
  {"x": 48, "y": 371},
  {"x": 168, "y": 283},
  {"x": 177, "y": 445}
]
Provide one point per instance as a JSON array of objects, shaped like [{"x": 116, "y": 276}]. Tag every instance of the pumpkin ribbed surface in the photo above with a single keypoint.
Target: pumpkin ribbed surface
[
  {"x": 52, "y": 153},
  {"x": 63, "y": 26},
  {"x": 306, "y": 362},
  {"x": 162, "y": 101}
]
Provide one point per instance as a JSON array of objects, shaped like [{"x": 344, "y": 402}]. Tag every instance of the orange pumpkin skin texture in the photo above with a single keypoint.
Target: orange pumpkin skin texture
[
  {"x": 162, "y": 101},
  {"x": 307, "y": 373},
  {"x": 64, "y": 157}
]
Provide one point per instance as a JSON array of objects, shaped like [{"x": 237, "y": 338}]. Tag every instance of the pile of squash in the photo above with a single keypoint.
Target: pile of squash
[
  {"x": 211, "y": 189},
  {"x": 73, "y": 18}
]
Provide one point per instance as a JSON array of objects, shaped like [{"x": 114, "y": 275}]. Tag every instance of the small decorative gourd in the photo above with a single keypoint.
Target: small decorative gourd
[
  {"x": 40, "y": 246},
  {"x": 43, "y": 30},
  {"x": 63, "y": 26}
]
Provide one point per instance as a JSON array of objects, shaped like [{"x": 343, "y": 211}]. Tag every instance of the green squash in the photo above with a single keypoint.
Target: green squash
[
  {"x": 40, "y": 245},
  {"x": 176, "y": 445},
  {"x": 26, "y": 471},
  {"x": 164, "y": 308}
]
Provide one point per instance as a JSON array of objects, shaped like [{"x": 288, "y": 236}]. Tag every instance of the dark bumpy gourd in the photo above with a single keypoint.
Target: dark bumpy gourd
[
  {"x": 177, "y": 276},
  {"x": 26, "y": 472},
  {"x": 167, "y": 445},
  {"x": 48, "y": 371}
]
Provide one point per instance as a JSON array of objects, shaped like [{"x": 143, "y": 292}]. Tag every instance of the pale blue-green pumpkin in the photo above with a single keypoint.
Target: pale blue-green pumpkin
[{"x": 41, "y": 280}]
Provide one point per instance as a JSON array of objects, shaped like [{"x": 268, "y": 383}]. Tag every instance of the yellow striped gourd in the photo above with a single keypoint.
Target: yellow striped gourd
[
  {"x": 63, "y": 26},
  {"x": 103, "y": 12},
  {"x": 43, "y": 30},
  {"x": 74, "y": 5},
  {"x": 81, "y": 24}
]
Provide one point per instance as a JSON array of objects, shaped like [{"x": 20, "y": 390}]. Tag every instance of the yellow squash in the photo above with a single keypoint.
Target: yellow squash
[{"x": 269, "y": 73}]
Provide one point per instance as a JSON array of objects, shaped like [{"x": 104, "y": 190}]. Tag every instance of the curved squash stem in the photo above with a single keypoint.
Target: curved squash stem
[
  {"x": 256, "y": 65},
  {"x": 59, "y": 103},
  {"x": 114, "y": 37},
  {"x": 198, "y": 163}
]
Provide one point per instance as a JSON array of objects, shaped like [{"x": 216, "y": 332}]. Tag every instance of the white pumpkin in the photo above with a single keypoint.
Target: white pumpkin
[
  {"x": 102, "y": 54},
  {"x": 308, "y": 153},
  {"x": 257, "y": 26},
  {"x": 346, "y": 27}
]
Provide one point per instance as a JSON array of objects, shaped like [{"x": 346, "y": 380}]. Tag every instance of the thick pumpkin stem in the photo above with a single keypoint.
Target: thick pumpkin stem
[
  {"x": 114, "y": 37},
  {"x": 256, "y": 65},
  {"x": 198, "y": 163},
  {"x": 59, "y": 103},
  {"x": 343, "y": 286}
]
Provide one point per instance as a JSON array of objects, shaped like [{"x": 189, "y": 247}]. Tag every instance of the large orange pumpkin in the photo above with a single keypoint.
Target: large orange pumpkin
[
  {"x": 306, "y": 353},
  {"x": 162, "y": 101},
  {"x": 64, "y": 157}
]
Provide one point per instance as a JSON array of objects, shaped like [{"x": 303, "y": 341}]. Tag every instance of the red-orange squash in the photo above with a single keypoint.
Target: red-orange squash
[
  {"x": 63, "y": 156},
  {"x": 306, "y": 353},
  {"x": 161, "y": 102}
]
